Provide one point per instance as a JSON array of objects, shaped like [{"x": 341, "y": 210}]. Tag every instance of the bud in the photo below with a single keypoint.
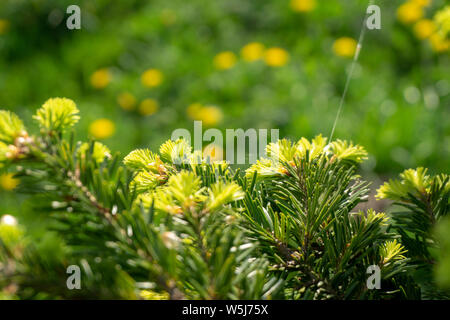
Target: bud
[
  {"x": 170, "y": 239},
  {"x": 13, "y": 152},
  {"x": 230, "y": 219}
]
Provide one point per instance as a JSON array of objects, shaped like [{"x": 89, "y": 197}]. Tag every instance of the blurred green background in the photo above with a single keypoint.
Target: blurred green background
[{"x": 140, "y": 69}]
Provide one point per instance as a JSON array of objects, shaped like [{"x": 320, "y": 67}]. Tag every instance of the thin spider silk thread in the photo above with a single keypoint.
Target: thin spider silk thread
[{"x": 352, "y": 68}]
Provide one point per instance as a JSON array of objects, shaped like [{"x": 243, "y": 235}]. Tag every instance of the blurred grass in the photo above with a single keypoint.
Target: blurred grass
[{"x": 397, "y": 105}]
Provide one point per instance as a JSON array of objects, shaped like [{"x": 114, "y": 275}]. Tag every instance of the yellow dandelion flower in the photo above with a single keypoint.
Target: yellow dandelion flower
[
  {"x": 210, "y": 115},
  {"x": 148, "y": 107},
  {"x": 252, "y": 51},
  {"x": 276, "y": 57},
  {"x": 345, "y": 47},
  {"x": 410, "y": 12},
  {"x": 4, "y": 26},
  {"x": 224, "y": 60},
  {"x": 101, "y": 78},
  {"x": 102, "y": 128},
  {"x": 439, "y": 43},
  {"x": 152, "y": 78},
  {"x": 8, "y": 182},
  {"x": 303, "y": 5},
  {"x": 193, "y": 110},
  {"x": 126, "y": 101},
  {"x": 213, "y": 152},
  {"x": 424, "y": 28}
]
